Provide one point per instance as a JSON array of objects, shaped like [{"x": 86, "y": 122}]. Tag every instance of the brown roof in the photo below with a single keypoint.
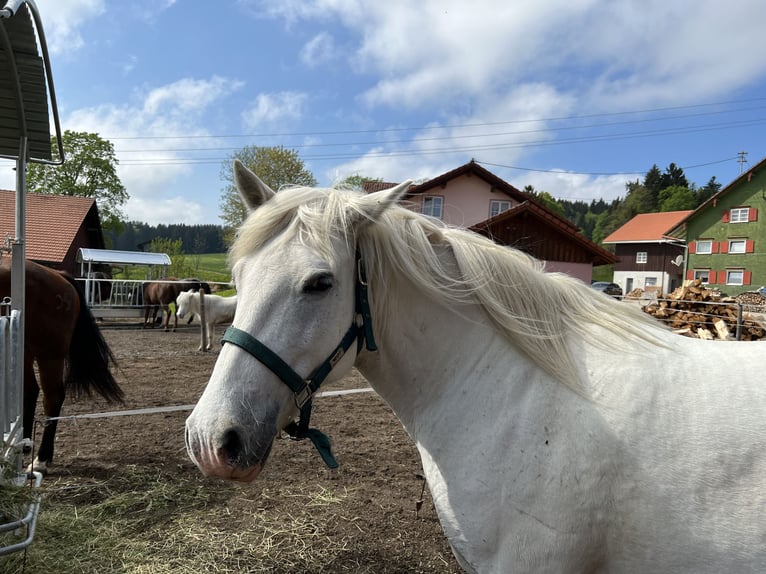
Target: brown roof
[
  {"x": 648, "y": 227},
  {"x": 373, "y": 186},
  {"x": 52, "y": 223},
  {"x": 588, "y": 250}
]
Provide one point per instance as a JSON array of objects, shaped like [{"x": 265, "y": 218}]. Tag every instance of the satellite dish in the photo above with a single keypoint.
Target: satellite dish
[{"x": 678, "y": 260}]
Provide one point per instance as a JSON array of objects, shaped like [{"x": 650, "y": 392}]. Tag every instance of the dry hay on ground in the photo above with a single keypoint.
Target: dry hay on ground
[{"x": 122, "y": 496}]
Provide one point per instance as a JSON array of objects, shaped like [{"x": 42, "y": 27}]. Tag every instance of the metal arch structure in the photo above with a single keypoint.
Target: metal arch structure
[{"x": 27, "y": 106}]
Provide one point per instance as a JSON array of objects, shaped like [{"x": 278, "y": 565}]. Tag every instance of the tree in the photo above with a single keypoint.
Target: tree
[
  {"x": 673, "y": 175},
  {"x": 677, "y": 198},
  {"x": 174, "y": 250},
  {"x": 707, "y": 191},
  {"x": 357, "y": 181},
  {"x": 90, "y": 170},
  {"x": 275, "y": 165}
]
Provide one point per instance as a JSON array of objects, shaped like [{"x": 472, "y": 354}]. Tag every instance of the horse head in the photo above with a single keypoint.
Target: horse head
[
  {"x": 296, "y": 270},
  {"x": 185, "y": 303}
]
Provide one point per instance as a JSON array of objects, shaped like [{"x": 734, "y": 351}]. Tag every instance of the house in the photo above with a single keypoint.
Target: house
[
  {"x": 726, "y": 236},
  {"x": 56, "y": 227},
  {"x": 649, "y": 257},
  {"x": 471, "y": 196}
]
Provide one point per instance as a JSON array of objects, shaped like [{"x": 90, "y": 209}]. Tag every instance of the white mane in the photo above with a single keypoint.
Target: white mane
[{"x": 538, "y": 312}]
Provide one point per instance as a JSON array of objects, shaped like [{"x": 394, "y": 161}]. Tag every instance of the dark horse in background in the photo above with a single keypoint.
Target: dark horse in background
[
  {"x": 159, "y": 294},
  {"x": 62, "y": 338}
]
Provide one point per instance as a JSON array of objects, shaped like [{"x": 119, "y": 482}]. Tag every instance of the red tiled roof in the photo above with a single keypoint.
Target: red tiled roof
[
  {"x": 647, "y": 227},
  {"x": 52, "y": 222}
]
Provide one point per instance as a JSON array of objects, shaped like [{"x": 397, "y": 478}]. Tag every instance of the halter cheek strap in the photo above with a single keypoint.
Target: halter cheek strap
[{"x": 303, "y": 389}]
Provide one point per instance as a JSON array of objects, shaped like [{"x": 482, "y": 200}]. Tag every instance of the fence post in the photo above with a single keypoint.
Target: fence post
[
  {"x": 203, "y": 323},
  {"x": 739, "y": 321}
]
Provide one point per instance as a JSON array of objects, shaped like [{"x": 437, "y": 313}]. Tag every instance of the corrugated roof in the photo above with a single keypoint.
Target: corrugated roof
[
  {"x": 648, "y": 227},
  {"x": 52, "y": 222},
  {"x": 116, "y": 257}
]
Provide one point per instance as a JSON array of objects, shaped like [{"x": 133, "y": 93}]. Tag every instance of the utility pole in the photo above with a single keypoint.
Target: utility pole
[{"x": 741, "y": 160}]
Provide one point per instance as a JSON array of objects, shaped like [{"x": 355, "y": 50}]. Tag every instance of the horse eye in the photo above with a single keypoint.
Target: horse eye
[{"x": 318, "y": 283}]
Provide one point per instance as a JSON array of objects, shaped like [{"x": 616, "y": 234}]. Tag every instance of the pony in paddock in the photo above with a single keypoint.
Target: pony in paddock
[
  {"x": 62, "y": 338},
  {"x": 218, "y": 310},
  {"x": 559, "y": 430},
  {"x": 159, "y": 294}
]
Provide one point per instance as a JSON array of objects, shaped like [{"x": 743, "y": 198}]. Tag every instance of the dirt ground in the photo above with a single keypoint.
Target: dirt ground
[{"x": 376, "y": 489}]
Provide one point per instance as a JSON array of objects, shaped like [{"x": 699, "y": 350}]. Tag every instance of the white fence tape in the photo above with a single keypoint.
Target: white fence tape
[{"x": 174, "y": 408}]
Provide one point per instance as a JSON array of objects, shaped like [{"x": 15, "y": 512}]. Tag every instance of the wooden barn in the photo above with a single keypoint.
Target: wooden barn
[{"x": 57, "y": 226}]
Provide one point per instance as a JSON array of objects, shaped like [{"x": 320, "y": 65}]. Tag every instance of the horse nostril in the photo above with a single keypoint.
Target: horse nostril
[{"x": 231, "y": 446}]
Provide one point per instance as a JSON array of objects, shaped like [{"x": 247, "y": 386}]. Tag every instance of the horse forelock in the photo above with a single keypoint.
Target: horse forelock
[
  {"x": 538, "y": 312},
  {"x": 315, "y": 216}
]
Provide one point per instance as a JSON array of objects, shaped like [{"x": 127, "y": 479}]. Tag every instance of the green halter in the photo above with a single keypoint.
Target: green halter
[{"x": 304, "y": 389}]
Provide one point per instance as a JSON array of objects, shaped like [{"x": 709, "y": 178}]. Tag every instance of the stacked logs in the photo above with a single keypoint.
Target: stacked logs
[
  {"x": 696, "y": 311},
  {"x": 752, "y": 301}
]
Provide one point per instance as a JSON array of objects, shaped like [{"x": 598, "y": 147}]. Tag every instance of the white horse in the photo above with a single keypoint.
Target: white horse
[
  {"x": 559, "y": 430},
  {"x": 218, "y": 310}
]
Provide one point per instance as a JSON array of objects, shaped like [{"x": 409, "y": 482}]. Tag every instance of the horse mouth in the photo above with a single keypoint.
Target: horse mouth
[{"x": 227, "y": 464}]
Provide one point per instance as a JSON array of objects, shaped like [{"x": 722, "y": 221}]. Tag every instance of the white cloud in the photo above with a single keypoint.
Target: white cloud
[
  {"x": 155, "y": 211},
  {"x": 269, "y": 108},
  {"x": 62, "y": 20},
  {"x": 439, "y": 51},
  {"x": 319, "y": 50},
  {"x": 146, "y": 169}
]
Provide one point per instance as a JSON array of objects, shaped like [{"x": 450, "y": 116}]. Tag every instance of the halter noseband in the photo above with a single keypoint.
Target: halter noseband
[{"x": 304, "y": 389}]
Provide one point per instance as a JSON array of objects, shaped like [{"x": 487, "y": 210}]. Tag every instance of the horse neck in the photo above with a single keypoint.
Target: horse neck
[{"x": 428, "y": 350}]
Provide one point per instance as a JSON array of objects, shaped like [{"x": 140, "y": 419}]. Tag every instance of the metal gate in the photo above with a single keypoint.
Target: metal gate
[{"x": 26, "y": 90}]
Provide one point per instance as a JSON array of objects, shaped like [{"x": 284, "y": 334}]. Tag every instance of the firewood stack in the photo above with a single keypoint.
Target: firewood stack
[
  {"x": 695, "y": 311},
  {"x": 752, "y": 301}
]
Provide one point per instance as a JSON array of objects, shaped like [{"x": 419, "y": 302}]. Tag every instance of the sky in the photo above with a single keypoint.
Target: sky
[{"x": 573, "y": 97}]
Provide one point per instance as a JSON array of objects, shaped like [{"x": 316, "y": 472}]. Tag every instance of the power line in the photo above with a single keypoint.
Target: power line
[
  {"x": 465, "y": 125},
  {"x": 641, "y": 172}
]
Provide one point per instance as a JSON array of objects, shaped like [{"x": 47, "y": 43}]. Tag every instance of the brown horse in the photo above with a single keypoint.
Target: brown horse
[
  {"x": 61, "y": 336},
  {"x": 158, "y": 295}
]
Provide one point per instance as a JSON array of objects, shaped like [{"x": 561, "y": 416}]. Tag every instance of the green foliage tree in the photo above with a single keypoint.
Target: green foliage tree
[
  {"x": 673, "y": 175},
  {"x": 677, "y": 198},
  {"x": 277, "y": 166},
  {"x": 357, "y": 181},
  {"x": 707, "y": 191},
  {"x": 174, "y": 249},
  {"x": 90, "y": 170}
]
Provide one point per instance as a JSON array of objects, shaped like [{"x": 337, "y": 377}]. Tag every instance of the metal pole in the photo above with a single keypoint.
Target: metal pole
[
  {"x": 203, "y": 323},
  {"x": 739, "y": 321}
]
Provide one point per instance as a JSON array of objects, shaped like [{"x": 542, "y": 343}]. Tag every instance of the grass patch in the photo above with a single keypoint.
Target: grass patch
[{"x": 148, "y": 521}]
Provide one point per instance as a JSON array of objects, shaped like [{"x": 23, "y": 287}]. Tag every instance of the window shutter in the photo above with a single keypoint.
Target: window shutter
[
  {"x": 724, "y": 247},
  {"x": 725, "y": 216},
  {"x": 693, "y": 247},
  {"x": 749, "y": 246},
  {"x": 714, "y": 247},
  {"x": 752, "y": 214},
  {"x": 747, "y": 277},
  {"x": 690, "y": 274}
]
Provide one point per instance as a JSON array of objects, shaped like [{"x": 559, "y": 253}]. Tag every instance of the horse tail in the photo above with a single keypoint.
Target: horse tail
[{"x": 90, "y": 357}]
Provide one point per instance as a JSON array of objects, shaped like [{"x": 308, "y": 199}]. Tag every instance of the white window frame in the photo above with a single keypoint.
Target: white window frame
[
  {"x": 704, "y": 247},
  {"x": 498, "y": 206},
  {"x": 731, "y": 277},
  {"x": 650, "y": 282},
  {"x": 739, "y": 215},
  {"x": 703, "y": 274},
  {"x": 433, "y": 205},
  {"x": 642, "y": 256},
  {"x": 741, "y": 246}
]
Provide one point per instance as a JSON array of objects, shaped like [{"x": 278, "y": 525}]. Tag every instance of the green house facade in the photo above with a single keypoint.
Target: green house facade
[{"x": 726, "y": 236}]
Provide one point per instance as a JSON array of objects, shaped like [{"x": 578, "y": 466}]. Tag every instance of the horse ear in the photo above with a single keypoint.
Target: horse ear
[
  {"x": 374, "y": 204},
  {"x": 252, "y": 190}
]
